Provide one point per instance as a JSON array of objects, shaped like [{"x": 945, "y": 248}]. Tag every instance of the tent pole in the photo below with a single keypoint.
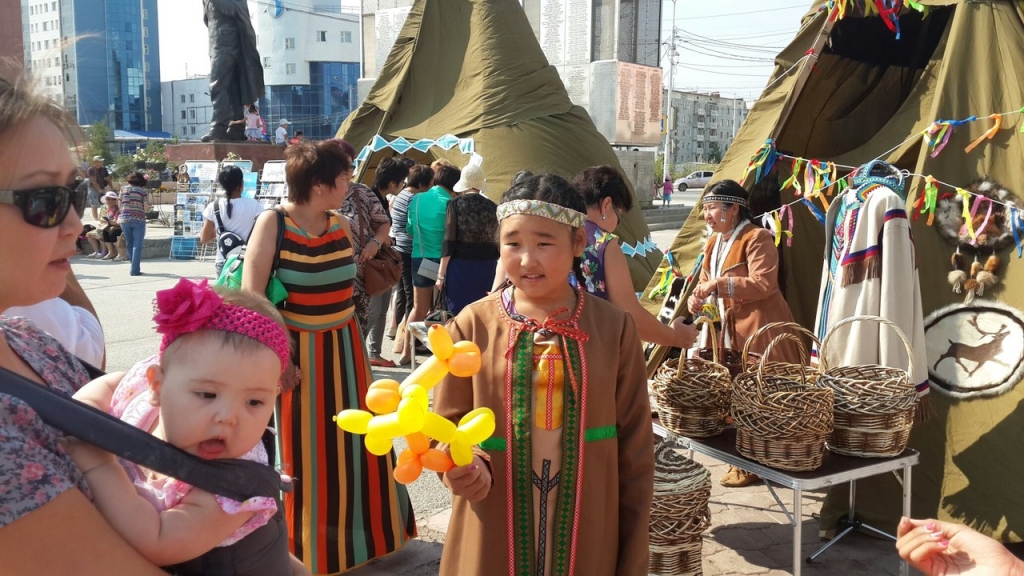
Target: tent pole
[{"x": 804, "y": 74}]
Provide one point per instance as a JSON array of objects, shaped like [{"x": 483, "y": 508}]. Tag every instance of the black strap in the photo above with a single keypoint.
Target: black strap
[
  {"x": 216, "y": 214},
  {"x": 235, "y": 479},
  {"x": 280, "y": 237}
]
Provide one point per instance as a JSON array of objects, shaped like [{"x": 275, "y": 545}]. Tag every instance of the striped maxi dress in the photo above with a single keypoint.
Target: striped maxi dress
[{"x": 345, "y": 509}]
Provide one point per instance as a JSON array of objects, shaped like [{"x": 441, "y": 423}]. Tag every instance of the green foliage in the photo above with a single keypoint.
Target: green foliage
[
  {"x": 123, "y": 166},
  {"x": 232, "y": 156},
  {"x": 714, "y": 153},
  {"x": 100, "y": 137}
]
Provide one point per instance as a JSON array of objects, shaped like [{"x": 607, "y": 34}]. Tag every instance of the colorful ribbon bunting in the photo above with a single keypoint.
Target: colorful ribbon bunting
[
  {"x": 1015, "y": 226},
  {"x": 997, "y": 123},
  {"x": 965, "y": 198},
  {"x": 763, "y": 161}
]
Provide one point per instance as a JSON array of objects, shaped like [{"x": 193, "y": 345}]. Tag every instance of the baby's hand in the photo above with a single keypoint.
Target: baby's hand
[
  {"x": 472, "y": 481},
  {"x": 86, "y": 456}
]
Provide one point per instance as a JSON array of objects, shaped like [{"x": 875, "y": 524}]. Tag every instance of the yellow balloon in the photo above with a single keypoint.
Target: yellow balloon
[
  {"x": 411, "y": 416},
  {"x": 377, "y": 445},
  {"x": 426, "y": 375},
  {"x": 474, "y": 413},
  {"x": 417, "y": 393},
  {"x": 385, "y": 426},
  {"x": 462, "y": 454},
  {"x": 440, "y": 342},
  {"x": 354, "y": 421},
  {"x": 438, "y": 428},
  {"x": 467, "y": 347},
  {"x": 476, "y": 430}
]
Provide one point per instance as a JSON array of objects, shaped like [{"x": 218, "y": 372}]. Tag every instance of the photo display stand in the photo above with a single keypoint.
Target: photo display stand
[
  {"x": 272, "y": 187},
  {"x": 187, "y": 220}
]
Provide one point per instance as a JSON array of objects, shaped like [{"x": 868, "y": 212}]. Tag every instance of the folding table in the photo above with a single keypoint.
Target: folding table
[{"x": 835, "y": 469}]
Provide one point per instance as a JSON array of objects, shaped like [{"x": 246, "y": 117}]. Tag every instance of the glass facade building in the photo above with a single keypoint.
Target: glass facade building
[
  {"x": 112, "y": 70},
  {"x": 317, "y": 109}
]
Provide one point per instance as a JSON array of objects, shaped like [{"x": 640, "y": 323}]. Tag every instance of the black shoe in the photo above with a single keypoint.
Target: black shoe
[
  {"x": 236, "y": 132},
  {"x": 216, "y": 134}
]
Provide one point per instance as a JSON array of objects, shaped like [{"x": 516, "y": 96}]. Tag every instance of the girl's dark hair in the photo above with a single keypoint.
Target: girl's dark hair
[
  {"x": 447, "y": 176},
  {"x": 230, "y": 179},
  {"x": 389, "y": 170},
  {"x": 552, "y": 189},
  {"x": 420, "y": 176},
  {"x": 310, "y": 163},
  {"x": 137, "y": 179},
  {"x": 734, "y": 189},
  {"x": 599, "y": 182},
  {"x": 253, "y": 109},
  {"x": 520, "y": 176}
]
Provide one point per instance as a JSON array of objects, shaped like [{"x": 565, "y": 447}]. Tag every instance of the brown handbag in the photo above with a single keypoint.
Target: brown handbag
[{"x": 382, "y": 271}]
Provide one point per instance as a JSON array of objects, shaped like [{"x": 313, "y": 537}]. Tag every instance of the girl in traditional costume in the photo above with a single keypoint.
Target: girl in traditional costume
[
  {"x": 740, "y": 278},
  {"x": 564, "y": 486}
]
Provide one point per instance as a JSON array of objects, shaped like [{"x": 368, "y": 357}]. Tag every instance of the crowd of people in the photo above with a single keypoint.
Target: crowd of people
[{"x": 538, "y": 280}]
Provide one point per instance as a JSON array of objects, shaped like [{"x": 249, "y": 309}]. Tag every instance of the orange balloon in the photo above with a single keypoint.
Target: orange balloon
[
  {"x": 382, "y": 400},
  {"x": 408, "y": 473},
  {"x": 464, "y": 364},
  {"x": 406, "y": 456},
  {"x": 436, "y": 461},
  {"x": 466, "y": 346},
  {"x": 418, "y": 442},
  {"x": 386, "y": 384}
]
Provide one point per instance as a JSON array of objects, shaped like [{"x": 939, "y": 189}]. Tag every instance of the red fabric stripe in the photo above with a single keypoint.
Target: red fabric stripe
[
  {"x": 286, "y": 459},
  {"x": 322, "y": 522},
  {"x": 319, "y": 298}
]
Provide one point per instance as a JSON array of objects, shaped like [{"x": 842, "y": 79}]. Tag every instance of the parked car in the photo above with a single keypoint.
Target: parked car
[{"x": 695, "y": 180}]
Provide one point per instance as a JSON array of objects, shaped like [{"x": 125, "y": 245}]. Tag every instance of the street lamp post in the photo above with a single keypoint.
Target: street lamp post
[{"x": 667, "y": 161}]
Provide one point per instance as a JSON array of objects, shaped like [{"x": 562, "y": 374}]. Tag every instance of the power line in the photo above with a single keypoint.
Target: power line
[{"x": 804, "y": 6}]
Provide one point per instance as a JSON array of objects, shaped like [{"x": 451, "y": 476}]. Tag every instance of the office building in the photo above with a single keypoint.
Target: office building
[
  {"x": 702, "y": 126},
  {"x": 100, "y": 58},
  {"x": 310, "y": 52},
  {"x": 187, "y": 109},
  {"x": 12, "y": 50}
]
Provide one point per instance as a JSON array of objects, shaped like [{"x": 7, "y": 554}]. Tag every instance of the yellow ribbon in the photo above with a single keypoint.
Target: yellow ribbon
[{"x": 965, "y": 196}]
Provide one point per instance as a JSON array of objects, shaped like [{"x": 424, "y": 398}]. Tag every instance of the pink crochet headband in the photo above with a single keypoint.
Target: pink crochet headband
[{"x": 189, "y": 307}]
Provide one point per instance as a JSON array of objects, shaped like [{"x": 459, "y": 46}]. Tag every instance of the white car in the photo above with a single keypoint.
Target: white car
[{"x": 694, "y": 180}]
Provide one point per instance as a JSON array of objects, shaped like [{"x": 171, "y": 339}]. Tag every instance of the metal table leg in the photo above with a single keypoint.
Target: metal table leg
[
  {"x": 904, "y": 567},
  {"x": 798, "y": 497}
]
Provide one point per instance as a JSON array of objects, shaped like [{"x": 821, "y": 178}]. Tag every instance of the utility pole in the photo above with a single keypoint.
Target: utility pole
[{"x": 667, "y": 163}]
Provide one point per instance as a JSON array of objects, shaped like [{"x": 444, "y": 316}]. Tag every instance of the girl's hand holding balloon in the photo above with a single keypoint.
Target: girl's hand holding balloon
[{"x": 472, "y": 482}]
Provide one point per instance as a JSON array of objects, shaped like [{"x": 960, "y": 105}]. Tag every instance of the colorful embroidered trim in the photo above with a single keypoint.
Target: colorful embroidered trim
[
  {"x": 726, "y": 200},
  {"x": 496, "y": 444},
  {"x": 559, "y": 214}
]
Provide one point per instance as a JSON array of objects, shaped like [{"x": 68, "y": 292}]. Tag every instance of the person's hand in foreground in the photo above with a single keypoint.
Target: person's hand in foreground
[{"x": 944, "y": 548}]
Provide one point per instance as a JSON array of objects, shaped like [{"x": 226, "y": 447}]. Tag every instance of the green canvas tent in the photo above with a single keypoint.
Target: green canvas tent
[
  {"x": 866, "y": 93},
  {"x": 474, "y": 69}
]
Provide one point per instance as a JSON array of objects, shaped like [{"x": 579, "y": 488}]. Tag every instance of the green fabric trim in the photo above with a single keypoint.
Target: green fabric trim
[
  {"x": 522, "y": 456},
  {"x": 497, "y": 444}
]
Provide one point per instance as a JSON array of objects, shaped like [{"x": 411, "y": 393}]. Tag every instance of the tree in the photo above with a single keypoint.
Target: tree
[
  {"x": 100, "y": 137},
  {"x": 714, "y": 153}
]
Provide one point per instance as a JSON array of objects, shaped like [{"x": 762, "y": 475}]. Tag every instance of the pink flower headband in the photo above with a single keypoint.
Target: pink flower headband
[{"x": 189, "y": 307}]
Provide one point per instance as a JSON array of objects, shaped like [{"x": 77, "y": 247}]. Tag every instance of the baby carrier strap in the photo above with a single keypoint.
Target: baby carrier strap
[{"x": 262, "y": 553}]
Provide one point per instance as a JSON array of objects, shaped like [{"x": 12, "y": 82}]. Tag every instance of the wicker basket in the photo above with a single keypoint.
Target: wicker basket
[
  {"x": 693, "y": 395},
  {"x": 784, "y": 369},
  {"x": 781, "y": 422},
  {"x": 732, "y": 359},
  {"x": 874, "y": 405},
  {"x": 679, "y": 513}
]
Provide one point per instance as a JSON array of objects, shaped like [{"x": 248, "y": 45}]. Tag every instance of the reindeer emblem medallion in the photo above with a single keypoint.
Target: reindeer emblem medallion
[{"x": 975, "y": 350}]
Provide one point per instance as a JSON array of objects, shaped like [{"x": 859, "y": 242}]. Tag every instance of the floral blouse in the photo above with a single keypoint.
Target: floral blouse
[
  {"x": 34, "y": 468},
  {"x": 593, "y": 259},
  {"x": 130, "y": 403}
]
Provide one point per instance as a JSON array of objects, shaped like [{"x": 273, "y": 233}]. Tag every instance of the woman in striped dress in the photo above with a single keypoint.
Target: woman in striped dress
[{"x": 345, "y": 508}]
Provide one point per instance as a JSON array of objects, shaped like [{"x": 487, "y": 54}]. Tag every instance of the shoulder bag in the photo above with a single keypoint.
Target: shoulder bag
[
  {"x": 228, "y": 242},
  {"x": 384, "y": 270},
  {"x": 231, "y": 274}
]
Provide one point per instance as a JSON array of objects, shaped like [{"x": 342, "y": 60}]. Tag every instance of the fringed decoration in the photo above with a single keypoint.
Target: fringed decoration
[
  {"x": 970, "y": 290},
  {"x": 862, "y": 269},
  {"x": 956, "y": 279},
  {"x": 926, "y": 409},
  {"x": 975, "y": 267},
  {"x": 762, "y": 161},
  {"x": 997, "y": 123},
  {"x": 986, "y": 280}
]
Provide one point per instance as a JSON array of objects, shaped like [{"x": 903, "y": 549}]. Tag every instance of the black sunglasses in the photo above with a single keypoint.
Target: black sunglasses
[{"x": 45, "y": 207}]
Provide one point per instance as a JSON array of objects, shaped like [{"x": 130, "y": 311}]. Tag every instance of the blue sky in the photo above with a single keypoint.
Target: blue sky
[{"x": 725, "y": 47}]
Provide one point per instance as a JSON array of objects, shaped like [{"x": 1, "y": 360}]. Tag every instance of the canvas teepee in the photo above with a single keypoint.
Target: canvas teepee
[
  {"x": 474, "y": 69},
  {"x": 862, "y": 94}
]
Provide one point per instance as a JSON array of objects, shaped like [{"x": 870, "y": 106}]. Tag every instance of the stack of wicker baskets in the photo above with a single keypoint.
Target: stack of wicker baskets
[
  {"x": 781, "y": 421},
  {"x": 679, "y": 513},
  {"x": 874, "y": 405},
  {"x": 692, "y": 396}
]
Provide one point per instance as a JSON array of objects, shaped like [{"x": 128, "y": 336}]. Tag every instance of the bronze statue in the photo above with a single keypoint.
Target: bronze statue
[{"x": 236, "y": 72}]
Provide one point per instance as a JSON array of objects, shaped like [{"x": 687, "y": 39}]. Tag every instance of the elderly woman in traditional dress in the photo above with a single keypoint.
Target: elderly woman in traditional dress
[{"x": 740, "y": 276}]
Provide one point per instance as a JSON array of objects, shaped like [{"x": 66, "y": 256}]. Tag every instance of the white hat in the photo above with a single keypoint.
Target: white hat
[
  {"x": 472, "y": 177},
  {"x": 97, "y": 158},
  {"x": 284, "y": 123},
  {"x": 110, "y": 195}
]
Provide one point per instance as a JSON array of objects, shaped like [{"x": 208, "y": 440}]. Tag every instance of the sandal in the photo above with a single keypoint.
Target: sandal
[{"x": 737, "y": 478}]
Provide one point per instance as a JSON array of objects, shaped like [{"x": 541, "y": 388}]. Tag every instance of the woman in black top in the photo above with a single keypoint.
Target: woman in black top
[{"x": 469, "y": 253}]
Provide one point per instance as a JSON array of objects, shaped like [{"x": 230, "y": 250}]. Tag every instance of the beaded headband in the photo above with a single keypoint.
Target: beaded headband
[
  {"x": 555, "y": 212},
  {"x": 189, "y": 307},
  {"x": 726, "y": 200}
]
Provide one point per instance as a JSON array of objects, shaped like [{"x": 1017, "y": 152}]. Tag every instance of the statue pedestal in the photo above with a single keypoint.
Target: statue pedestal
[{"x": 258, "y": 152}]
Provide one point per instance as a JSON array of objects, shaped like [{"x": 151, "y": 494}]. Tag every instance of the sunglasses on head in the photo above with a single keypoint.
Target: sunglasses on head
[{"x": 47, "y": 206}]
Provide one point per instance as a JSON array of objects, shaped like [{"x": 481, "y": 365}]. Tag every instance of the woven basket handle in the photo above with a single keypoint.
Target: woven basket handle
[
  {"x": 714, "y": 339},
  {"x": 768, "y": 327},
  {"x": 822, "y": 360},
  {"x": 771, "y": 346}
]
